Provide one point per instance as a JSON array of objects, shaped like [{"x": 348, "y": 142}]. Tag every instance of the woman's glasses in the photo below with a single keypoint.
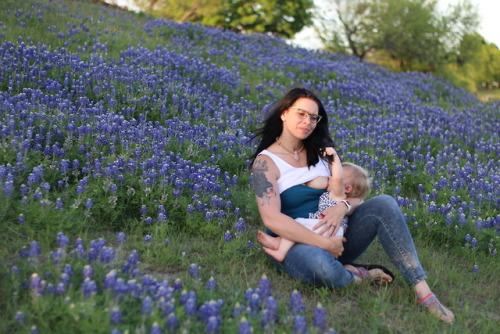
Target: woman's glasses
[{"x": 302, "y": 114}]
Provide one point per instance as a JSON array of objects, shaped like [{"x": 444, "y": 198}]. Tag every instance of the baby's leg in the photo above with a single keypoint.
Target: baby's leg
[
  {"x": 268, "y": 241},
  {"x": 280, "y": 253}
]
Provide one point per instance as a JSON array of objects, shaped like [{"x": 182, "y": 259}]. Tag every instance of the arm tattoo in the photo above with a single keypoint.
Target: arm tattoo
[{"x": 261, "y": 186}]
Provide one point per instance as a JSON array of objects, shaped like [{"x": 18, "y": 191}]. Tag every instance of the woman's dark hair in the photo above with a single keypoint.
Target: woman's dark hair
[{"x": 273, "y": 126}]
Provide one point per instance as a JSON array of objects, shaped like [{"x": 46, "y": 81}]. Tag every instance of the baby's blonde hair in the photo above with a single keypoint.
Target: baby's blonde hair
[{"x": 361, "y": 182}]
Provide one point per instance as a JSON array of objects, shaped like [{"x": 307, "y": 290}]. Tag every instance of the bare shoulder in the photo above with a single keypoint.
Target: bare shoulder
[{"x": 264, "y": 176}]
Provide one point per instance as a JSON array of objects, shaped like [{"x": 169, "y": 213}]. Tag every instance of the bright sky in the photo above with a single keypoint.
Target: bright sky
[{"x": 488, "y": 10}]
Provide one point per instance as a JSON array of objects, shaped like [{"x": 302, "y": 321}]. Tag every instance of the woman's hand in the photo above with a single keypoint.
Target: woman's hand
[
  {"x": 335, "y": 246},
  {"x": 332, "y": 219}
]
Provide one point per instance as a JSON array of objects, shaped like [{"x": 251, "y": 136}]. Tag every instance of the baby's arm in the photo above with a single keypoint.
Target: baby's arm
[{"x": 336, "y": 182}]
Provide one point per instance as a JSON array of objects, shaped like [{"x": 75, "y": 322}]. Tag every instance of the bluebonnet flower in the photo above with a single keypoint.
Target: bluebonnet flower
[
  {"x": 296, "y": 304},
  {"x": 190, "y": 306},
  {"x": 89, "y": 287},
  {"x": 264, "y": 286},
  {"x": 213, "y": 324},
  {"x": 319, "y": 320},
  {"x": 62, "y": 240},
  {"x": 34, "y": 330},
  {"x": 115, "y": 316},
  {"x": 121, "y": 238},
  {"x": 148, "y": 238},
  {"x": 60, "y": 289},
  {"x": 228, "y": 236},
  {"x": 300, "y": 325},
  {"x": 147, "y": 306},
  {"x": 240, "y": 227},
  {"x": 87, "y": 271},
  {"x": 166, "y": 241},
  {"x": 155, "y": 329},
  {"x": 89, "y": 204},
  {"x": 193, "y": 271},
  {"x": 211, "y": 284},
  {"x": 59, "y": 204},
  {"x": 172, "y": 322},
  {"x": 475, "y": 268},
  {"x": 19, "y": 317},
  {"x": 244, "y": 327},
  {"x": 34, "y": 251},
  {"x": 177, "y": 285},
  {"x": 21, "y": 219},
  {"x": 237, "y": 309}
]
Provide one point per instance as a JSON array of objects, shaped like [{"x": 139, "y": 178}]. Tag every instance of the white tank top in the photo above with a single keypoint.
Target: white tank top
[{"x": 291, "y": 176}]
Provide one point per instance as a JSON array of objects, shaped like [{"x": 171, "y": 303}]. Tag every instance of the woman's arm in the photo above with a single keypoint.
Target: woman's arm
[{"x": 265, "y": 176}]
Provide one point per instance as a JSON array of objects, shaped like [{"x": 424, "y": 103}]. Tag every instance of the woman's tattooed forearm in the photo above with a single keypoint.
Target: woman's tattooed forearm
[{"x": 261, "y": 186}]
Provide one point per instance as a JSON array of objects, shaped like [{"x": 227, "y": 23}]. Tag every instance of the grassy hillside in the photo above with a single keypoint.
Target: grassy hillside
[{"x": 125, "y": 203}]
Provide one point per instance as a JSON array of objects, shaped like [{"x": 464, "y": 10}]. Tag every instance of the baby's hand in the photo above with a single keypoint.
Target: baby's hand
[{"x": 329, "y": 151}]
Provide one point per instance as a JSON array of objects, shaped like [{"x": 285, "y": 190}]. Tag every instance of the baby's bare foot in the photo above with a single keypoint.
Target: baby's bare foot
[
  {"x": 268, "y": 241},
  {"x": 277, "y": 254}
]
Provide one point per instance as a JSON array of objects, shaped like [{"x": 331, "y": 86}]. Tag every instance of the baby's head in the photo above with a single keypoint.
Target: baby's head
[{"x": 356, "y": 180}]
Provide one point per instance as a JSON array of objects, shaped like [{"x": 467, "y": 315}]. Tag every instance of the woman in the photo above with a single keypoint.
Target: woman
[{"x": 289, "y": 155}]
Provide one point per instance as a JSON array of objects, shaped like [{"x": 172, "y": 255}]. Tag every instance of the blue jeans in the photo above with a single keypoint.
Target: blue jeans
[{"x": 379, "y": 216}]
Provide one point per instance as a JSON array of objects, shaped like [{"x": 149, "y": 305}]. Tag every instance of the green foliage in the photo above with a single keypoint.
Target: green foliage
[{"x": 278, "y": 17}]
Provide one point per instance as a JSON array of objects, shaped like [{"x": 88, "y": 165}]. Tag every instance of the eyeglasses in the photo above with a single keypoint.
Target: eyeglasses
[{"x": 302, "y": 114}]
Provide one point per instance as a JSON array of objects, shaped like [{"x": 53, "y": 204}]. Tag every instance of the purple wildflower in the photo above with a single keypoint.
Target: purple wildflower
[
  {"x": 147, "y": 306},
  {"x": 300, "y": 325},
  {"x": 89, "y": 287},
  {"x": 228, "y": 237},
  {"x": 155, "y": 329},
  {"x": 148, "y": 238},
  {"x": 35, "y": 250},
  {"x": 320, "y": 317},
  {"x": 172, "y": 322},
  {"x": 211, "y": 284},
  {"x": 87, "y": 271},
  {"x": 62, "y": 240},
  {"x": 36, "y": 286},
  {"x": 115, "y": 316},
  {"x": 19, "y": 317},
  {"x": 121, "y": 238},
  {"x": 193, "y": 271},
  {"x": 475, "y": 269},
  {"x": 244, "y": 327},
  {"x": 296, "y": 304}
]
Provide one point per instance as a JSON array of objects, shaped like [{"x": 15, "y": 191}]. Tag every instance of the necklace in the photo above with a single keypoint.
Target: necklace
[{"x": 295, "y": 153}]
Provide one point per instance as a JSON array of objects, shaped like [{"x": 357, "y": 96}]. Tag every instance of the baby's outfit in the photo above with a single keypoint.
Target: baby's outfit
[{"x": 325, "y": 202}]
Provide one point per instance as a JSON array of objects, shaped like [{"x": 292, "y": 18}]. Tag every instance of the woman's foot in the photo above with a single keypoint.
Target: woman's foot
[
  {"x": 434, "y": 306},
  {"x": 272, "y": 243},
  {"x": 361, "y": 274}
]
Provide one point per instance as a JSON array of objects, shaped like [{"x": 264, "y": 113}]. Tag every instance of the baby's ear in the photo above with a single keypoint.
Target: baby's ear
[{"x": 348, "y": 189}]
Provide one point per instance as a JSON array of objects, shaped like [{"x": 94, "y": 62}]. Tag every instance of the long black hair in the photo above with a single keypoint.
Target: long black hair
[{"x": 273, "y": 126}]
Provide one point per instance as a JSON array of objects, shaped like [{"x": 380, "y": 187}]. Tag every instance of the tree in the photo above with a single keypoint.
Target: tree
[
  {"x": 412, "y": 32},
  {"x": 278, "y": 17},
  {"x": 350, "y": 32}
]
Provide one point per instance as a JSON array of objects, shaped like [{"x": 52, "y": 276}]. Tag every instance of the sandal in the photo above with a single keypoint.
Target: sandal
[
  {"x": 365, "y": 269},
  {"x": 431, "y": 303}
]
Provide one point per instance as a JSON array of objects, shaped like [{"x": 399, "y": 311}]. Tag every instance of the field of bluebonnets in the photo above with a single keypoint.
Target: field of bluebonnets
[{"x": 125, "y": 203}]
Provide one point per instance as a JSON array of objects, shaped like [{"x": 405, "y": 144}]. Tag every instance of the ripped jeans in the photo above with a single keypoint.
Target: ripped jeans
[{"x": 379, "y": 216}]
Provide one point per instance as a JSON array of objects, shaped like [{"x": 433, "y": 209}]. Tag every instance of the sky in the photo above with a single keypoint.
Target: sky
[{"x": 488, "y": 10}]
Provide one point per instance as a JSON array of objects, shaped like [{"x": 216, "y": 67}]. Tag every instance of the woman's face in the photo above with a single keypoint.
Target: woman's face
[{"x": 301, "y": 118}]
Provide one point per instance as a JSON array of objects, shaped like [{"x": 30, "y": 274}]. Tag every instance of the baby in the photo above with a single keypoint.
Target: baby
[{"x": 347, "y": 180}]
